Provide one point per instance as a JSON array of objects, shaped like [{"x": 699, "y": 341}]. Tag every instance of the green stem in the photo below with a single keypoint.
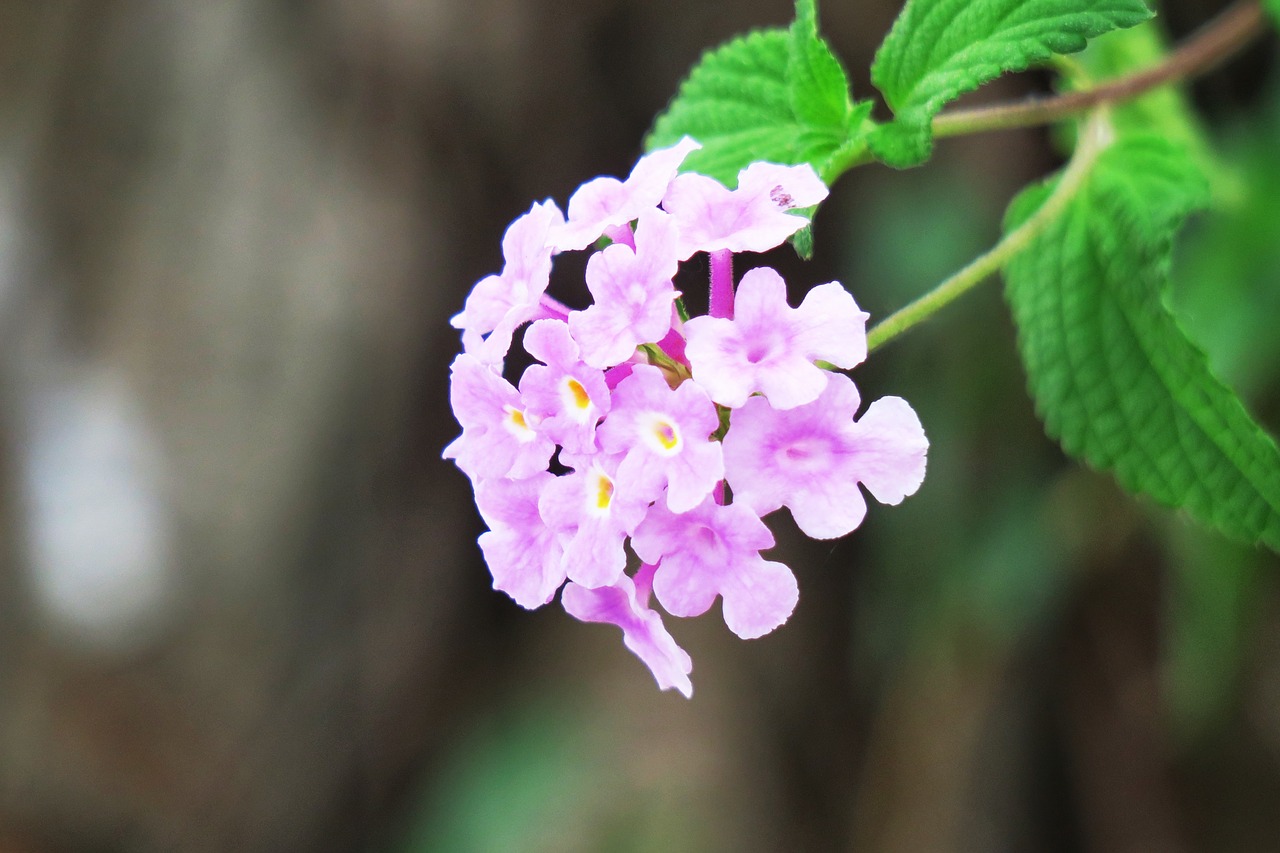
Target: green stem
[
  {"x": 1095, "y": 136},
  {"x": 858, "y": 154}
]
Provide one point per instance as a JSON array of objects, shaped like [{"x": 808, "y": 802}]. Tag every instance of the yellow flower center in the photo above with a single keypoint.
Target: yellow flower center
[
  {"x": 517, "y": 425},
  {"x": 666, "y": 435},
  {"x": 604, "y": 491},
  {"x": 576, "y": 394}
]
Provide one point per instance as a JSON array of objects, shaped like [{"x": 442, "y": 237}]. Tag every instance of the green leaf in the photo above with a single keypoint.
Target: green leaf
[
  {"x": 777, "y": 95},
  {"x": 1114, "y": 377},
  {"x": 802, "y": 242},
  {"x": 940, "y": 49},
  {"x": 1273, "y": 6},
  {"x": 817, "y": 85},
  {"x": 736, "y": 103}
]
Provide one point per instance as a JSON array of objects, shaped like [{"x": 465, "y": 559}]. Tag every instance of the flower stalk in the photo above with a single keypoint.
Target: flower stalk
[{"x": 1094, "y": 138}]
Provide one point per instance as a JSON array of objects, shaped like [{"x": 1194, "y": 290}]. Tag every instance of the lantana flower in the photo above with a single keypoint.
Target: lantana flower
[
  {"x": 626, "y": 604},
  {"x": 603, "y": 204},
  {"x": 594, "y": 517},
  {"x": 500, "y": 304},
  {"x": 770, "y": 348},
  {"x": 633, "y": 293},
  {"x": 754, "y": 217},
  {"x": 524, "y": 554},
  {"x": 638, "y": 435},
  {"x": 714, "y": 550},
  {"x": 497, "y": 438},
  {"x": 664, "y": 434},
  {"x": 812, "y": 458},
  {"x": 566, "y": 397}
]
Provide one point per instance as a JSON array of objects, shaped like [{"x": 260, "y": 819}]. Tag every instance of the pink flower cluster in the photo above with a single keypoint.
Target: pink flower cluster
[{"x": 675, "y": 437}]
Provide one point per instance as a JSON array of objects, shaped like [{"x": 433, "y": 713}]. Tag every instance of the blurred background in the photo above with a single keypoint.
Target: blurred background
[{"x": 241, "y": 604}]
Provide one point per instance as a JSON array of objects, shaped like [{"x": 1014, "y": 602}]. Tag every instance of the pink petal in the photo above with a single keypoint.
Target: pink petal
[
  {"x": 604, "y": 203},
  {"x": 759, "y": 598},
  {"x": 829, "y": 509},
  {"x": 752, "y": 218},
  {"x": 787, "y": 187},
  {"x": 831, "y": 327},
  {"x": 891, "y": 448},
  {"x": 642, "y": 629},
  {"x": 523, "y": 554}
]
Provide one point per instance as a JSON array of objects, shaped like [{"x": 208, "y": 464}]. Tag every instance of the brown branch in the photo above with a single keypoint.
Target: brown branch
[{"x": 1235, "y": 27}]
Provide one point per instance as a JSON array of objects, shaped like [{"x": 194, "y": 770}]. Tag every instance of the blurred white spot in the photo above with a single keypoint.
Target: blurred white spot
[{"x": 98, "y": 529}]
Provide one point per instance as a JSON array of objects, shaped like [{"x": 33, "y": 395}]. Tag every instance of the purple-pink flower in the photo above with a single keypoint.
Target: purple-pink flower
[
  {"x": 626, "y": 604},
  {"x": 638, "y": 432},
  {"x": 754, "y": 217},
  {"x": 524, "y": 554},
  {"x": 594, "y": 518},
  {"x": 606, "y": 203},
  {"x": 771, "y": 348},
  {"x": 500, "y": 304},
  {"x": 633, "y": 294},
  {"x": 563, "y": 395},
  {"x": 715, "y": 550},
  {"x": 497, "y": 439},
  {"x": 812, "y": 458},
  {"x": 664, "y": 437}
]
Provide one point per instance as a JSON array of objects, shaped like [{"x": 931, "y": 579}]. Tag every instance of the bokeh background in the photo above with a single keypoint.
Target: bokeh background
[{"x": 241, "y": 605}]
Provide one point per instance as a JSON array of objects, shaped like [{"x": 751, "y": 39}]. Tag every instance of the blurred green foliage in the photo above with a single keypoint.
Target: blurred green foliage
[
  {"x": 1226, "y": 283},
  {"x": 536, "y": 775}
]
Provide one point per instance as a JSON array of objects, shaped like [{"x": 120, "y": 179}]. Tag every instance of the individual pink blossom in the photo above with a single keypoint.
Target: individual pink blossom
[
  {"x": 752, "y": 218},
  {"x": 523, "y": 554},
  {"x": 565, "y": 396},
  {"x": 812, "y": 458},
  {"x": 594, "y": 517},
  {"x": 497, "y": 439},
  {"x": 770, "y": 347},
  {"x": 664, "y": 434},
  {"x": 715, "y": 550},
  {"x": 500, "y": 304},
  {"x": 605, "y": 203},
  {"x": 633, "y": 293},
  {"x": 626, "y": 604}
]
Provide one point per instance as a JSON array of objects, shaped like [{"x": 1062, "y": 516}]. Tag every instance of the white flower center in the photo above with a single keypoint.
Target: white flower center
[{"x": 636, "y": 294}]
